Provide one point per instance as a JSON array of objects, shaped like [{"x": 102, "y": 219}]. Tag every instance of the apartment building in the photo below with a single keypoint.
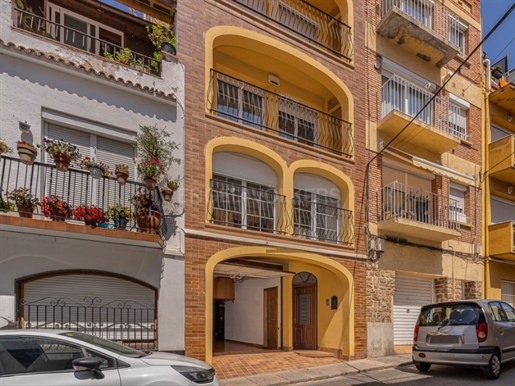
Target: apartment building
[
  {"x": 275, "y": 155},
  {"x": 499, "y": 182},
  {"x": 85, "y": 73},
  {"x": 424, "y": 196}
]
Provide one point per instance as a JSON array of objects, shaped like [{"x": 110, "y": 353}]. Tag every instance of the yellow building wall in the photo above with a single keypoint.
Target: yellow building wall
[{"x": 498, "y": 272}]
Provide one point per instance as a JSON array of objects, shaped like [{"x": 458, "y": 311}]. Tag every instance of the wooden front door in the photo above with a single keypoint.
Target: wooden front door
[
  {"x": 271, "y": 317},
  {"x": 304, "y": 314}
]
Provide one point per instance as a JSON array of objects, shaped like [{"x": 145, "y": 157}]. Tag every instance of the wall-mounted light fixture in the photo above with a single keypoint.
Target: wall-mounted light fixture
[
  {"x": 274, "y": 79},
  {"x": 510, "y": 118},
  {"x": 24, "y": 127},
  {"x": 510, "y": 189}
]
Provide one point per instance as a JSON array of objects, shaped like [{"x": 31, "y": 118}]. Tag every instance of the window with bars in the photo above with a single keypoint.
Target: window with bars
[
  {"x": 458, "y": 34},
  {"x": 457, "y": 121},
  {"x": 243, "y": 204},
  {"x": 315, "y": 216},
  {"x": 297, "y": 123},
  {"x": 240, "y": 104}
]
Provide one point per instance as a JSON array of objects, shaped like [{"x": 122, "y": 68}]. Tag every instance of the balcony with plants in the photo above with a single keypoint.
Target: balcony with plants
[
  {"x": 408, "y": 212},
  {"x": 434, "y": 128},
  {"x": 424, "y": 28},
  {"x": 320, "y": 22},
  {"x": 501, "y": 159},
  {"x": 282, "y": 116},
  {"x": 103, "y": 34},
  {"x": 501, "y": 240}
]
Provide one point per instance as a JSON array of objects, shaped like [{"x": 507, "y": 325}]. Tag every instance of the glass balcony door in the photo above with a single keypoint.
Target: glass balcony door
[{"x": 316, "y": 216}]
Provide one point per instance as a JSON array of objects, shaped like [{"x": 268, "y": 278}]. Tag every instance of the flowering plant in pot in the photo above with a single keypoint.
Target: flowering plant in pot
[
  {"x": 155, "y": 150},
  {"x": 63, "y": 153},
  {"x": 147, "y": 212},
  {"x": 27, "y": 152},
  {"x": 171, "y": 186},
  {"x": 25, "y": 202},
  {"x": 4, "y": 147},
  {"x": 90, "y": 214},
  {"x": 56, "y": 208},
  {"x": 122, "y": 173},
  {"x": 120, "y": 215},
  {"x": 5, "y": 205},
  {"x": 97, "y": 169}
]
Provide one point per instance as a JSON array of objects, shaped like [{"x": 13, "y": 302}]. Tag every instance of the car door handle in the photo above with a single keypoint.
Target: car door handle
[{"x": 501, "y": 332}]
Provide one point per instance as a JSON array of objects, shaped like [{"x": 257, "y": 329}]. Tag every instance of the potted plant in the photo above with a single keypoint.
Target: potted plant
[
  {"x": 91, "y": 215},
  {"x": 27, "y": 152},
  {"x": 97, "y": 169},
  {"x": 4, "y": 147},
  {"x": 171, "y": 186},
  {"x": 155, "y": 150},
  {"x": 25, "y": 202},
  {"x": 62, "y": 152},
  {"x": 122, "y": 173},
  {"x": 124, "y": 56},
  {"x": 163, "y": 38},
  {"x": 497, "y": 72},
  {"x": 146, "y": 211},
  {"x": 55, "y": 208},
  {"x": 120, "y": 215},
  {"x": 5, "y": 205}
]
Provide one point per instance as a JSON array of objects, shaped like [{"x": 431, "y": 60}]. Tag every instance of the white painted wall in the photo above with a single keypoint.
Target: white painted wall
[
  {"x": 31, "y": 84},
  {"x": 244, "y": 316}
]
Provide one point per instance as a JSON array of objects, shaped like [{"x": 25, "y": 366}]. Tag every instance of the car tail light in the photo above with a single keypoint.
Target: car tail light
[
  {"x": 481, "y": 331},
  {"x": 415, "y": 334}
]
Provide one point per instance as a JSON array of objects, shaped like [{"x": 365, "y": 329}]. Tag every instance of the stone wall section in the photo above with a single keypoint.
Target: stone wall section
[{"x": 380, "y": 292}]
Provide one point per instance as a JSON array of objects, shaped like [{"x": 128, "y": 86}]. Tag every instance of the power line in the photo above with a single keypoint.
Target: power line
[{"x": 367, "y": 167}]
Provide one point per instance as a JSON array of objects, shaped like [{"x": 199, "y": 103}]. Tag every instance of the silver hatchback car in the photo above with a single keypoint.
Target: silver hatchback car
[{"x": 465, "y": 332}]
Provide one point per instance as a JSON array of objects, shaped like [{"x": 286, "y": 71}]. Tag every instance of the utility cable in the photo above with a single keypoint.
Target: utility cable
[{"x": 367, "y": 168}]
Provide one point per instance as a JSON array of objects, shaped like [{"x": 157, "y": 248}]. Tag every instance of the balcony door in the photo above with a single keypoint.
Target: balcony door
[{"x": 238, "y": 103}]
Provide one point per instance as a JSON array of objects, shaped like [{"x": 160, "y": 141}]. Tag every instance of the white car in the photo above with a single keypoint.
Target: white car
[{"x": 56, "y": 357}]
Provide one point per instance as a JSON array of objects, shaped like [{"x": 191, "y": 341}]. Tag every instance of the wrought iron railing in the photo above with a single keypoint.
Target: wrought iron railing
[
  {"x": 312, "y": 220},
  {"x": 250, "y": 105},
  {"x": 127, "y": 322},
  {"x": 308, "y": 21},
  {"x": 58, "y": 32},
  {"x": 431, "y": 14},
  {"x": 245, "y": 207},
  {"x": 404, "y": 201},
  {"x": 401, "y": 95},
  {"x": 76, "y": 187}
]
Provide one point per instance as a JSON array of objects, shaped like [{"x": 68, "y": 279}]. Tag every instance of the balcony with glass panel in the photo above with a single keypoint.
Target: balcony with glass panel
[
  {"x": 501, "y": 159},
  {"x": 501, "y": 240},
  {"x": 317, "y": 21},
  {"x": 437, "y": 128},
  {"x": 255, "y": 107},
  {"x": 112, "y": 30},
  {"x": 425, "y": 28},
  {"x": 408, "y": 212}
]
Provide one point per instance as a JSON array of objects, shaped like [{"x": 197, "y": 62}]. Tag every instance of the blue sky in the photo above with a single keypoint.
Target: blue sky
[{"x": 502, "y": 41}]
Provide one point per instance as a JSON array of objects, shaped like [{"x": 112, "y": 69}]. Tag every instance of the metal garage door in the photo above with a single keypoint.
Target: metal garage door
[
  {"x": 106, "y": 306},
  {"x": 411, "y": 293}
]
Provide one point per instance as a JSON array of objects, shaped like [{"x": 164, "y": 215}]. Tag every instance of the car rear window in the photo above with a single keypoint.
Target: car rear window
[{"x": 456, "y": 314}]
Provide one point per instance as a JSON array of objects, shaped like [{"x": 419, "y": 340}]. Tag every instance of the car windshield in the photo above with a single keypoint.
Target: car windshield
[
  {"x": 450, "y": 314},
  {"x": 106, "y": 344}
]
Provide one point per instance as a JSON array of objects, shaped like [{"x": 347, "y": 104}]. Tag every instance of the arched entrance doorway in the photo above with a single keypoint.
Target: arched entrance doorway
[{"x": 304, "y": 311}]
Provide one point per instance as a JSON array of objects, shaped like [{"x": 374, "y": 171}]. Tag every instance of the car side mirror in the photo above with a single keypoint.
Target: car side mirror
[{"x": 86, "y": 364}]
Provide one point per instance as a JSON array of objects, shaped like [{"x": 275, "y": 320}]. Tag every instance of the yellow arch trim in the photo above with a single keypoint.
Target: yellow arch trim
[
  {"x": 240, "y": 37},
  {"x": 247, "y": 147},
  {"x": 334, "y": 175},
  {"x": 290, "y": 255}
]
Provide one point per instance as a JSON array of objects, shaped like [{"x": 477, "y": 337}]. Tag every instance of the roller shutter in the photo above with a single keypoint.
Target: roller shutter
[{"x": 411, "y": 293}]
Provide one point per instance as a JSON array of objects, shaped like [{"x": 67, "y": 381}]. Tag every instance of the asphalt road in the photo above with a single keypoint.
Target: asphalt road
[{"x": 409, "y": 375}]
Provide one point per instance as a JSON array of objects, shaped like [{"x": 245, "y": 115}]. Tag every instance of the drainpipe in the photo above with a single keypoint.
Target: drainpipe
[
  {"x": 483, "y": 179},
  {"x": 488, "y": 77}
]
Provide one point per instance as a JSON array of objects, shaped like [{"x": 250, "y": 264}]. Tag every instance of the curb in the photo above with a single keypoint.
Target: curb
[{"x": 297, "y": 376}]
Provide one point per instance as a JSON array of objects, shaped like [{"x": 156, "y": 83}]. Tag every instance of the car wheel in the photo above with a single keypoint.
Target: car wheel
[
  {"x": 422, "y": 366},
  {"x": 493, "y": 370}
]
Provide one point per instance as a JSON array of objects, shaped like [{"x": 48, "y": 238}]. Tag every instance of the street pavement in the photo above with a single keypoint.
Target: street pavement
[{"x": 320, "y": 372}]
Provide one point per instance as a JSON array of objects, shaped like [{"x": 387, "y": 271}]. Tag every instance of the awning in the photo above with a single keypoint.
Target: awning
[{"x": 442, "y": 170}]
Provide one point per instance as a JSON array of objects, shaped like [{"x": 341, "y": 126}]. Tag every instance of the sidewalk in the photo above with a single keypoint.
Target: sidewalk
[{"x": 320, "y": 372}]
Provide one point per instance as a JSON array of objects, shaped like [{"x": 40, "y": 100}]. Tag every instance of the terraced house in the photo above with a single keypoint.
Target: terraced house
[
  {"x": 86, "y": 72},
  {"x": 275, "y": 154},
  {"x": 425, "y": 191}
]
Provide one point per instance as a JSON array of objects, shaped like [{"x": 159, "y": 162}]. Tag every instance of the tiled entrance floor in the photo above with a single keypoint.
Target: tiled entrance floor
[{"x": 239, "y": 360}]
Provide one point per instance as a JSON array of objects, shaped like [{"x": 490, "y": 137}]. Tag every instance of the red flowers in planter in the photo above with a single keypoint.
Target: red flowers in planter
[
  {"x": 90, "y": 214},
  {"x": 55, "y": 208}
]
